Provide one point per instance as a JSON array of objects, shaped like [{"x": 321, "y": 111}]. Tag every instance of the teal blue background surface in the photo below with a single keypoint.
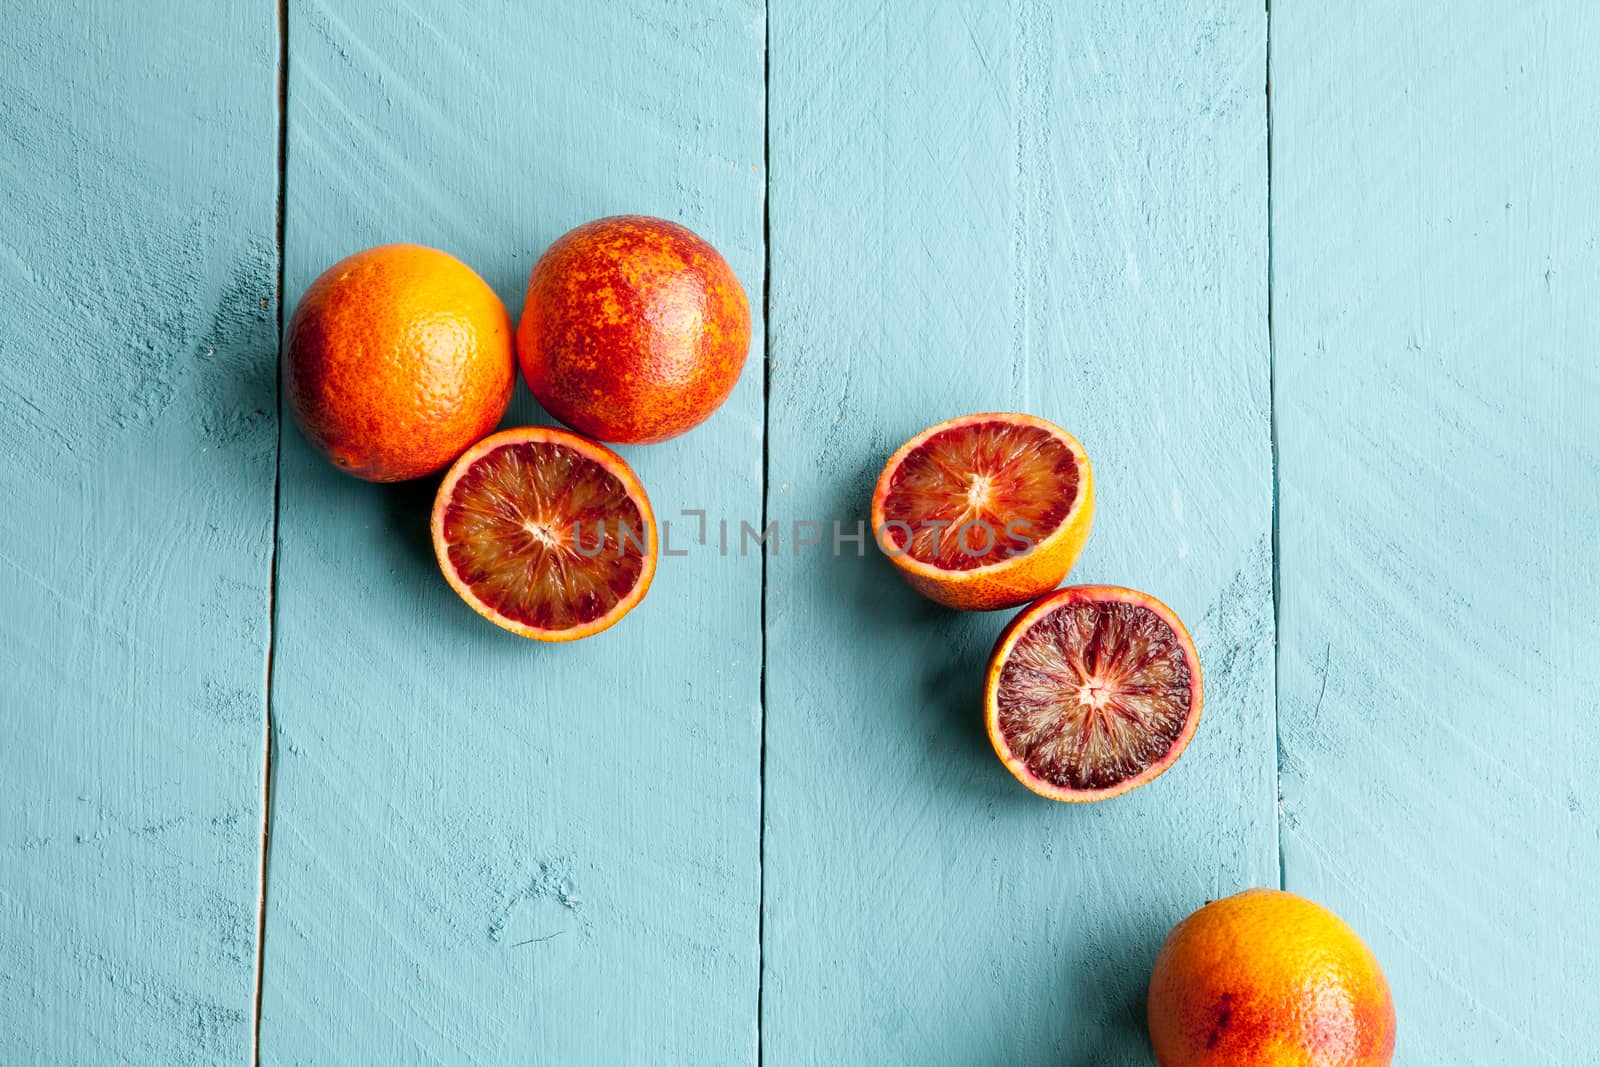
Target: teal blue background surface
[{"x": 1315, "y": 286}]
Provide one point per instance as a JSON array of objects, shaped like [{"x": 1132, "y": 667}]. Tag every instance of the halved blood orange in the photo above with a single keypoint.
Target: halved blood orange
[
  {"x": 985, "y": 511},
  {"x": 1092, "y": 691},
  {"x": 545, "y": 533}
]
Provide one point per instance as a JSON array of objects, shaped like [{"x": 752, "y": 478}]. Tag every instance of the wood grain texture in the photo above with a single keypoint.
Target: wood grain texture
[
  {"x": 1435, "y": 266},
  {"x": 1061, "y": 211},
  {"x": 137, "y": 365},
  {"x": 486, "y": 850}
]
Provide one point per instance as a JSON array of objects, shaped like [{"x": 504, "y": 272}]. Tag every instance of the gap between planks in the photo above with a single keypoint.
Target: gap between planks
[
  {"x": 272, "y": 580},
  {"x": 1272, "y": 427},
  {"x": 766, "y": 481}
]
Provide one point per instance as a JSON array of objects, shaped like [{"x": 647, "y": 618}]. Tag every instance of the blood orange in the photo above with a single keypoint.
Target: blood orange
[
  {"x": 1092, "y": 691},
  {"x": 985, "y": 511},
  {"x": 1266, "y": 978},
  {"x": 635, "y": 329},
  {"x": 397, "y": 359},
  {"x": 545, "y": 533}
]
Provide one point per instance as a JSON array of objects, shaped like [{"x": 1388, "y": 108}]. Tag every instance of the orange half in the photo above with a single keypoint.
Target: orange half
[
  {"x": 985, "y": 511},
  {"x": 1092, "y": 691},
  {"x": 545, "y": 533}
]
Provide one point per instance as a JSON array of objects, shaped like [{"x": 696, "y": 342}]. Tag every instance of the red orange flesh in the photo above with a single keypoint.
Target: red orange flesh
[
  {"x": 635, "y": 329},
  {"x": 1092, "y": 691},
  {"x": 545, "y": 533},
  {"x": 985, "y": 511}
]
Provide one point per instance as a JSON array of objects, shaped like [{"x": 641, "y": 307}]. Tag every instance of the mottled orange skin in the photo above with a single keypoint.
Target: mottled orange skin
[
  {"x": 1002, "y": 585},
  {"x": 398, "y": 358},
  {"x": 1268, "y": 979},
  {"x": 635, "y": 329}
]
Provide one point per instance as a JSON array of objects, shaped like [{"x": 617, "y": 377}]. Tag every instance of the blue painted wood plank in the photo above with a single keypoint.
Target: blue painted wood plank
[
  {"x": 988, "y": 207},
  {"x": 485, "y": 850},
  {"x": 1438, "y": 403},
  {"x": 138, "y": 350}
]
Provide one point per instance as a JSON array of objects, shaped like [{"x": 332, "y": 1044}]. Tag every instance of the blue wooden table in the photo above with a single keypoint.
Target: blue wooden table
[{"x": 1316, "y": 286}]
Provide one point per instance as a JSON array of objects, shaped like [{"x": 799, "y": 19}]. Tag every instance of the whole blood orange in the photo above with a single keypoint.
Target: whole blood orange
[
  {"x": 1268, "y": 979},
  {"x": 635, "y": 329},
  {"x": 397, "y": 359},
  {"x": 985, "y": 511},
  {"x": 1092, "y": 691},
  {"x": 545, "y": 533}
]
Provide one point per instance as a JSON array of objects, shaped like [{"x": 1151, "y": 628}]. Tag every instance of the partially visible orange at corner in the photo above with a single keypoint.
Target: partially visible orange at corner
[
  {"x": 397, "y": 359},
  {"x": 1268, "y": 979}
]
